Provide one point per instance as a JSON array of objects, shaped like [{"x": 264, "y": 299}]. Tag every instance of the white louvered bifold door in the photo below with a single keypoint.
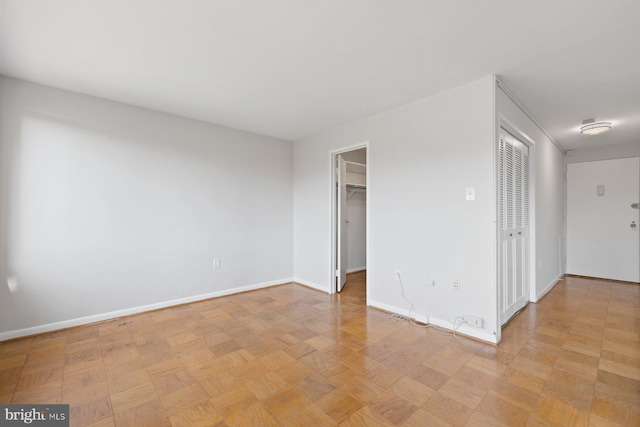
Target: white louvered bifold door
[{"x": 513, "y": 221}]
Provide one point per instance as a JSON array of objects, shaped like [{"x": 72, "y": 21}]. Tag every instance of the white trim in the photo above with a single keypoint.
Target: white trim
[
  {"x": 497, "y": 327},
  {"x": 311, "y": 285},
  {"x": 514, "y": 130},
  {"x": 356, "y": 269},
  {"x": 562, "y": 244},
  {"x": 134, "y": 310},
  {"x": 478, "y": 333}
]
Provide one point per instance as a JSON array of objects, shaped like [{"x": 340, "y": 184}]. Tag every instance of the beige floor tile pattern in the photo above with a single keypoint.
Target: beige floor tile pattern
[{"x": 293, "y": 356}]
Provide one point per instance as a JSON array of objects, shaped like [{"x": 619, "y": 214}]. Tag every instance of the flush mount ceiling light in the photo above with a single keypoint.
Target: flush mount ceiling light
[{"x": 591, "y": 127}]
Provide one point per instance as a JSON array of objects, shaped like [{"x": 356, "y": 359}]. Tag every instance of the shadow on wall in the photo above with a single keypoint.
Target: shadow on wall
[{"x": 97, "y": 219}]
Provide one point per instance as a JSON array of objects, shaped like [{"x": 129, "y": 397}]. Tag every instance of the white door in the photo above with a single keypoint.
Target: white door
[
  {"x": 513, "y": 225},
  {"x": 602, "y": 227},
  {"x": 342, "y": 236}
]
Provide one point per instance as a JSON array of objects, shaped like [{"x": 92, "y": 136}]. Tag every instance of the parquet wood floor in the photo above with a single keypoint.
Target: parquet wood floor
[{"x": 293, "y": 356}]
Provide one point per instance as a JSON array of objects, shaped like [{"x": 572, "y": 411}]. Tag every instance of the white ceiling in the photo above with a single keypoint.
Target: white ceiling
[{"x": 293, "y": 68}]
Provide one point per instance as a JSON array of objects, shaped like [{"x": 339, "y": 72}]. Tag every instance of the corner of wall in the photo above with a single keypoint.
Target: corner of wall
[
  {"x": 311, "y": 284},
  {"x": 540, "y": 294}
]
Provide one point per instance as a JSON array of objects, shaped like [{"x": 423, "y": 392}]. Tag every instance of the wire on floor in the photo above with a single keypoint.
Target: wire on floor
[{"x": 427, "y": 325}]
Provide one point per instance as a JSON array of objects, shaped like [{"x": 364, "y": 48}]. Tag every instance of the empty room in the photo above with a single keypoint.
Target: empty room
[{"x": 319, "y": 213}]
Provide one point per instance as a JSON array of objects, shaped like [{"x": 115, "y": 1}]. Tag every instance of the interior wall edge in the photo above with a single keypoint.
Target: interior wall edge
[
  {"x": 505, "y": 89},
  {"x": 548, "y": 288},
  {"x": 310, "y": 284}
]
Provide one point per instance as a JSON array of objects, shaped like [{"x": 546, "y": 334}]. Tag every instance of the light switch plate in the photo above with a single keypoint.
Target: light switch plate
[{"x": 470, "y": 193}]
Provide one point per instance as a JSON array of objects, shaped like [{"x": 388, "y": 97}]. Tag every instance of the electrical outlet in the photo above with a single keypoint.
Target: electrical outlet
[
  {"x": 216, "y": 263},
  {"x": 398, "y": 274},
  {"x": 456, "y": 285},
  {"x": 431, "y": 282},
  {"x": 473, "y": 320}
]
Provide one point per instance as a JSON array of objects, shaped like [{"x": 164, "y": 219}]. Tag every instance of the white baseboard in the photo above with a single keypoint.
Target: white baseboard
[
  {"x": 356, "y": 269},
  {"x": 403, "y": 311},
  {"x": 133, "y": 310},
  {"x": 478, "y": 333},
  {"x": 470, "y": 331},
  {"x": 310, "y": 284},
  {"x": 548, "y": 288}
]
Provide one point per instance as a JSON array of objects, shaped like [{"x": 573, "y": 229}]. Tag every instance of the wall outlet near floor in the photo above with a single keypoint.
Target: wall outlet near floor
[
  {"x": 216, "y": 263},
  {"x": 473, "y": 320},
  {"x": 456, "y": 285}
]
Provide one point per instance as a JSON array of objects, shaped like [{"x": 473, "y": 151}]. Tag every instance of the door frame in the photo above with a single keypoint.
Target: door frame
[
  {"x": 519, "y": 134},
  {"x": 333, "y": 154}
]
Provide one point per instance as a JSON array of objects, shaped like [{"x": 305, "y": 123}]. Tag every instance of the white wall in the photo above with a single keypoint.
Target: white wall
[
  {"x": 550, "y": 190},
  {"x": 357, "y": 232},
  {"x": 608, "y": 152},
  {"x": 357, "y": 214},
  {"x": 422, "y": 156},
  {"x": 111, "y": 208}
]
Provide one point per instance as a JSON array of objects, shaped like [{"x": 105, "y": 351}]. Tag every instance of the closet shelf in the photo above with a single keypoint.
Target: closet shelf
[
  {"x": 355, "y": 188},
  {"x": 356, "y": 178},
  {"x": 356, "y": 167}
]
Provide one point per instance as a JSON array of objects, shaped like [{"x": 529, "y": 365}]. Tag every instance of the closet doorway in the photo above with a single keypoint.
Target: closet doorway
[{"x": 349, "y": 216}]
